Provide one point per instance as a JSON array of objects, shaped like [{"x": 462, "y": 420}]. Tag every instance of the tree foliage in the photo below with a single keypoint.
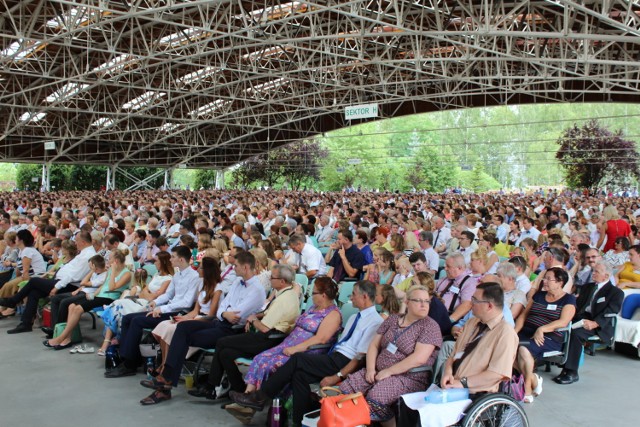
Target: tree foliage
[
  {"x": 592, "y": 156},
  {"x": 205, "y": 178}
]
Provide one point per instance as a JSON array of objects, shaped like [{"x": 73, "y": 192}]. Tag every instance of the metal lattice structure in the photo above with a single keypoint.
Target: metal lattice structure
[{"x": 211, "y": 83}]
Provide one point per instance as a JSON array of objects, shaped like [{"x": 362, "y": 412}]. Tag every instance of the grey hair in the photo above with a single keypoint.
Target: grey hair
[
  {"x": 506, "y": 269},
  {"x": 607, "y": 267},
  {"x": 285, "y": 272},
  {"x": 458, "y": 258}
]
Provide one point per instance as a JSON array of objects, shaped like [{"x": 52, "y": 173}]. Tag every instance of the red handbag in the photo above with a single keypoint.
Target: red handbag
[{"x": 348, "y": 410}]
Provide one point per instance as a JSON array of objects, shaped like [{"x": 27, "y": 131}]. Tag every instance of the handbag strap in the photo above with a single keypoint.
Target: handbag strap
[
  {"x": 323, "y": 391},
  {"x": 354, "y": 397}
]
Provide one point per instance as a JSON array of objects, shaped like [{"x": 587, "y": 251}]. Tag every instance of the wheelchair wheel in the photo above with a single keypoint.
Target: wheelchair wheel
[{"x": 495, "y": 410}]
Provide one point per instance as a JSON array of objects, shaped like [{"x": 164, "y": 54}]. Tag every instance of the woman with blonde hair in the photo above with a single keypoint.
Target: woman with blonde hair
[
  {"x": 612, "y": 227},
  {"x": 262, "y": 268}
]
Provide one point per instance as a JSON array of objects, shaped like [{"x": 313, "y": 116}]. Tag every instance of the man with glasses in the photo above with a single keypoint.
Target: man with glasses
[
  {"x": 485, "y": 351},
  {"x": 304, "y": 369},
  {"x": 456, "y": 289},
  {"x": 310, "y": 261},
  {"x": 271, "y": 327},
  {"x": 465, "y": 240}
]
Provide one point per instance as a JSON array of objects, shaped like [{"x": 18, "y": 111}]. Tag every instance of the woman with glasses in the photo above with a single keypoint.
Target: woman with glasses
[
  {"x": 320, "y": 324},
  {"x": 550, "y": 308},
  {"x": 402, "y": 343}
]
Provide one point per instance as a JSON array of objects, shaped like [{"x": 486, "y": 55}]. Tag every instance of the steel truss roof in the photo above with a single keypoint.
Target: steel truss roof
[{"x": 210, "y": 83}]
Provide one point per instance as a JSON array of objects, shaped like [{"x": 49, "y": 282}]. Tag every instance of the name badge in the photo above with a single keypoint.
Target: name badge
[
  {"x": 552, "y": 307},
  {"x": 600, "y": 300},
  {"x": 392, "y": 348},
  {"x": 454, "y": 290},
  {"x": 458, "y": 355}
]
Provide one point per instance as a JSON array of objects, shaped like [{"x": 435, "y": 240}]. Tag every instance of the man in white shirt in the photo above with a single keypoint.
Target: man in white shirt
[
  {"x": 465, "y": 245},
  {"x": 310, "y": 261},
  {"x": 37, "y": 287},
  {"x": 441, "y": 234},
  {"x": 303, "y": 369},
  {"x": 529, "y": 231},
  {"x": 246, "y": 297},
  {"x": 425, "y": 240},
  {"x": 522, "y": 281},
  {"x": 180, "y": 295},
  {"x": 325, "y": 233}
]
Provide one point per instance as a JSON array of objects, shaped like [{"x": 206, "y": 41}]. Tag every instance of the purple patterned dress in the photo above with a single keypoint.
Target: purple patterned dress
[
  {"x": 306, "y": 326},
  {"x": 382, "y": 395}
]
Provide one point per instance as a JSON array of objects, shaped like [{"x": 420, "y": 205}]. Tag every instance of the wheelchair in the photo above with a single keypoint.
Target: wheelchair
[{"x": 487, "y": 410}]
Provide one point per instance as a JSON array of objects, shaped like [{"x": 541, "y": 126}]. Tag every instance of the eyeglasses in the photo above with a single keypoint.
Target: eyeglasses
[
  {"x": 420, "y": 301},
  {"x": 475, "y": 300},
  {"x": 275, "y": 278}
]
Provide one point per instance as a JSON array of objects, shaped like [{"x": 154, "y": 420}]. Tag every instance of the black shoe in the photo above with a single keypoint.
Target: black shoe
[
  {"x": 206, "y": 391},
  {"x": 255, "y": 400},
  {"x": 120, "y": 371},
  {"x": 569, "y": 378},
  {"x": 561, "y": 374},
  {"x": 20, "y": 328},
  {"x": 6, "y": 302},
  {"x": 47, "y": 331}
]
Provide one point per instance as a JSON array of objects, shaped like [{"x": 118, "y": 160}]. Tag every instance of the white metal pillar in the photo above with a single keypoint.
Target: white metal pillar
[
  {"x": 220, "y": 179},
  {"x": 111, "y": 177},
  {"x": 46, "y": 177},
  {"x": 168, "y": 179}
]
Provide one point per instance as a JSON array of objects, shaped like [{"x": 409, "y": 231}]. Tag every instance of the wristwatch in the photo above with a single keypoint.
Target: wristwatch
[
  {"x": 339, "y": 375},
  {"x": 463, "y": 381}
]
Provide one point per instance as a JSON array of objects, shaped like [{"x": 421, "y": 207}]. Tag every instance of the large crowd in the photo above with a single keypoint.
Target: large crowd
[{"x": 379, "y": 293}]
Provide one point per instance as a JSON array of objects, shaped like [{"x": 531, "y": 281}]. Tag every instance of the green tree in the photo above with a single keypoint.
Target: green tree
[
  {"x": 59, "y": 177},
  {"x": 205, "y": 178}
]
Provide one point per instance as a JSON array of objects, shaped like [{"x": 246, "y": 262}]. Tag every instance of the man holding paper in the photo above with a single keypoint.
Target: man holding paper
[{"x": 595, "y": 303}]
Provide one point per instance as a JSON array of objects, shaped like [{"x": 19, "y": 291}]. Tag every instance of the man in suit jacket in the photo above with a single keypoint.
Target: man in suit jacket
[{"x": 595, "y": 301}]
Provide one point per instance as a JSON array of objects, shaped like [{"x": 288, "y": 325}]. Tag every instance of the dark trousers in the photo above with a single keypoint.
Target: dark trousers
[
  {"x": 131, "y": 330},
  {"x": 192, "y": 333},
  {"x": 35, "y": 289},
  {"x": 228, "y": 349},
  {"x": 5, "y": 276},
  {"x": 60, "y": 306},
  {"x": 578, "y": 338},
  {"x": 301, "y": 370}
]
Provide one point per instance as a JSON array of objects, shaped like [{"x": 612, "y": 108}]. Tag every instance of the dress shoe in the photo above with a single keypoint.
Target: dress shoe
[
  {"x": 255, "y": 400},
  {"x": 561, "y": 374},
  {"x": 156, "y": 397},
  {"x": 20, "y": 328},
  {"x": 47, "y": 331},
  {"x": 206, "y": 391},
  {"x": 155, "y": 384},
  {"x": 568, "y": 378},
  {"x": 120, "y": 371},
  {"x": 242, "y": 414},
  {"x": 6, "y": 302}
]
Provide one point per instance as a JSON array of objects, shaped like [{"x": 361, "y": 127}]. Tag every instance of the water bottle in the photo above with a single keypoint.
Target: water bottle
[
  {"x": 151, "y": 366},
  {"x": 275, "y": 413},
  {"x": 447, "y": 395}
]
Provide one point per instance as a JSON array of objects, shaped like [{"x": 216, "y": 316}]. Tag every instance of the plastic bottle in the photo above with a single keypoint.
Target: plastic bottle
[
  {"x": 151, "y": 366},
  {"x": 447, "y": 395}
]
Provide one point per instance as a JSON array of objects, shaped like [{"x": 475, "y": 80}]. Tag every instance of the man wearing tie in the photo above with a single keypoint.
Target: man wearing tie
[
  {"x": 595, "y": 303},
  {"x": 304, "y": 369},
  {"x": 441, "y": 234}
]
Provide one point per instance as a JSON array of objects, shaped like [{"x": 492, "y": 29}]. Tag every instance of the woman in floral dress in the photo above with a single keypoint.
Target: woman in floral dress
[{"x": 318, "y": 325}]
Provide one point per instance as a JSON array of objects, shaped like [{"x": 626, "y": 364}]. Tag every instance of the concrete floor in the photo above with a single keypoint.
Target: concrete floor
[{"x": 43, "y": 387}]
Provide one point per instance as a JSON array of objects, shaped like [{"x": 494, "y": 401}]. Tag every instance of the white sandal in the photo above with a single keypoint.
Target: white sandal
[
  {"x": 86, "y": 350},
  {"x": 538, "y": 390},
  {"x": 74, "y": 350},
  {"x": 528, "y": 399}
]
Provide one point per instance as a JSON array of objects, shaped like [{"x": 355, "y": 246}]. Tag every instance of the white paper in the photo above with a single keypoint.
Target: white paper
[{"x": 578, "y": 324}]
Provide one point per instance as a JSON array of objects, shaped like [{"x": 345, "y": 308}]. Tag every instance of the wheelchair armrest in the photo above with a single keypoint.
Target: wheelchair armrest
[
  {"x": 611, "y": 315},
  {"x": 565, "y": 329}
]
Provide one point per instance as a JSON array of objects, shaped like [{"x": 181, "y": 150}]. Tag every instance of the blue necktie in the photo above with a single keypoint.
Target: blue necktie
[
  {"x": 346, "y": 337},
  {"x": 243, "y": 283}
]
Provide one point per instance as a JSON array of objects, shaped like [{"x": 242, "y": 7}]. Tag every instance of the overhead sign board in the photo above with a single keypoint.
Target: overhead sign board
[
  {"x": 361, "y": 111},
  {"x": 50, "y": 145},
  {"x": 182, "y": 166}
]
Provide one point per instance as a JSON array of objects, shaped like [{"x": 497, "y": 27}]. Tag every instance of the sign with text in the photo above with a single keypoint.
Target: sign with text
[
  {"x": 361, "y": 111},
  {"x": 50, "y": 145}
]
